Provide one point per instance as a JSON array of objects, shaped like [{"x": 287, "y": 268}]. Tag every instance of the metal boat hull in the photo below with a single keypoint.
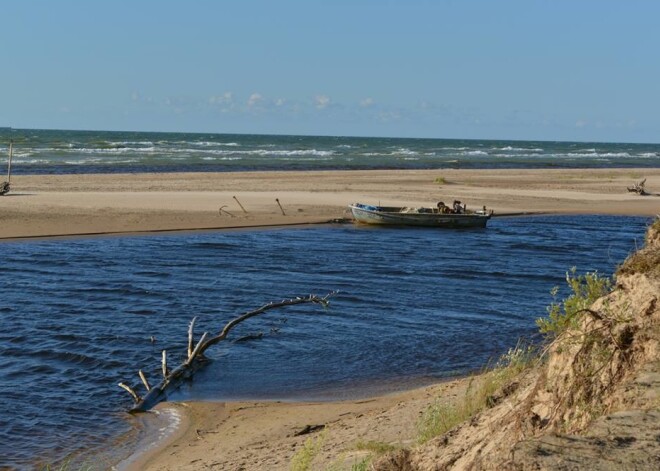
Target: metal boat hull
[{"x": 390, "y": 216}]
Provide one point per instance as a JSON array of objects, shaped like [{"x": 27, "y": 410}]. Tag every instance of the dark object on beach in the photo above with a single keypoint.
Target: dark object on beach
[
  {"x": 223, "y": 210},
  {"x": 638, "y": 188},
  {"x": 239, "y": 203},
  {"x": 281, "y": 209},
  {"x": 309, "y": 429},
  {"x": 4, "y": 186},
  {"x": 195, "y": 358}
]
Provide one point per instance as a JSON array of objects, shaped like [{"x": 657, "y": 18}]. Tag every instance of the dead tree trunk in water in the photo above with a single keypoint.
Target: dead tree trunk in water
[{"x": 195, "y": 355}]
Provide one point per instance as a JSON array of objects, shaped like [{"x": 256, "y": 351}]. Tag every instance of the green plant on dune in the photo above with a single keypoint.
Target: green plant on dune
[
  {"x": 647, "y": 260},
  {"x": 375, "y": 447},
  {"x": 441, "y": 180},
  {"x": 302, "y": 460},
  {"x": 482, "y": 392},
  {"x": 361, "y": 465},
  {"x": 585, "y": 290}
]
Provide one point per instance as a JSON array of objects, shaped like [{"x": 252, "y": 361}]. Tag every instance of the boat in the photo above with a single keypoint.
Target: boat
[{"x": 440, "y": 216}]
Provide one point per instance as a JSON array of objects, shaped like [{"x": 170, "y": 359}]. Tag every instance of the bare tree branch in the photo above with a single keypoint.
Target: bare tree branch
[{"x": 195, "y": 357}]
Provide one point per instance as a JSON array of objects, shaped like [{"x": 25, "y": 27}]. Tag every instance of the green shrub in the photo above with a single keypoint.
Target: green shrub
[
  {"x": 302, "y": 460},
  {"x": 586, "y": 289},
  {"x": 362, "y": 465}
]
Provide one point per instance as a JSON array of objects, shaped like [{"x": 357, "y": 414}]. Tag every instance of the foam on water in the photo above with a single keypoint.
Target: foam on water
[
  {"x": 54, "y": 152},
  {"x": 155, "y": 428}
]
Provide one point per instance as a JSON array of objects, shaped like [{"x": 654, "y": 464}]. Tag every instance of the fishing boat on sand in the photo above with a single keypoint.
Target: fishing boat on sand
[{"x": 440, "y": 216}]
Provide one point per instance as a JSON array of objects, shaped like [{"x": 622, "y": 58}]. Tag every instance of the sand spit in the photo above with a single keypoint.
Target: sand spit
[{"x": 60, "y": 205}]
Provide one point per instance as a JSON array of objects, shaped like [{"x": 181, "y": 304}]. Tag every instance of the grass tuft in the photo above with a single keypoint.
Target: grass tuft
[
  {"x": 481, "y": 393},
  {"x": 302, "y": 460},
  {"x": 647, "y": 260},
  {"x": 361, "y": 465},
  {"x": 377, "y": 448}
]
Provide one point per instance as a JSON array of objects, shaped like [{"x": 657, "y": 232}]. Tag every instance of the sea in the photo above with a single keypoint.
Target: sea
[
  {"x": 412, "y": 306},
  {"x": 53, "y": 152}
]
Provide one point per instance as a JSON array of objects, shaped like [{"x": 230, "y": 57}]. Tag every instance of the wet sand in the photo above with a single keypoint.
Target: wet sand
[{"x": 266, "y": 435}]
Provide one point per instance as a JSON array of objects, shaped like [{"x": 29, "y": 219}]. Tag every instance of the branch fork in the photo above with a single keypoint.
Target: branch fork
[{"x": 195, "y": 358}]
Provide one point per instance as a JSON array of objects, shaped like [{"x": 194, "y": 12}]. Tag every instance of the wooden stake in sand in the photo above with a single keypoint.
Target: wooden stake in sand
[
  {"x": 281, "y": 209},
  {"x": 4, "y": 186},
  {"x": 195, "y": 358},
  {"x": 239, "y": 203},
  {"x": 223, "y": 210}
]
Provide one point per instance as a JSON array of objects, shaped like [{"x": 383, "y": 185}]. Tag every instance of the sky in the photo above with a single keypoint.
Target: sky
[{"x": 582, "y": 70}]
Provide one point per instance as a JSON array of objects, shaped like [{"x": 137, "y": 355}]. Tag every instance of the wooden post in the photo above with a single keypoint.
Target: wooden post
[
  {"x": 281, "y": 209},
  {"x": 239, "y": 203},
  {"x": 11, "y": 153}
]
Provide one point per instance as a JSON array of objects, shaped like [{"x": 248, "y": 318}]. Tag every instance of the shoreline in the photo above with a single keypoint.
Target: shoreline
[
  {"x": 50, "y": 206},
  {"x": 266, "y": 434},
  {"x": 256, "y": 227}
]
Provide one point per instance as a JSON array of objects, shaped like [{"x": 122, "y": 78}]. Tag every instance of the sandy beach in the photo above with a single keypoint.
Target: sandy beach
[
  {"x": 267, "y": 435},
  {"x": 69, "y": 205}
]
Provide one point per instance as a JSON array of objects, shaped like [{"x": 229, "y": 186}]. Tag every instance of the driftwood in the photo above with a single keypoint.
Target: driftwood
[
  {"x": 195, "y": 358},
  {"x": 638, "y": 188}
]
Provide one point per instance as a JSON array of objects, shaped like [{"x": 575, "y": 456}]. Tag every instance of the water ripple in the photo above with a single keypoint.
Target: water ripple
[{"x": 79, "y": 315}]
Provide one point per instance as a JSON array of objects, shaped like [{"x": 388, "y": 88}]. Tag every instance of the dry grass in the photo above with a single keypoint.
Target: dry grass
[
  {"x": 647, "y": 260},
  {"x": 482, "y": 393}
]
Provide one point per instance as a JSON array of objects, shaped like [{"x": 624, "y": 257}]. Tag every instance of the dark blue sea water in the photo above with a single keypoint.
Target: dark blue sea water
[
  {"x": 47, "y": 152},
  {"x": 413, "y": 305}
]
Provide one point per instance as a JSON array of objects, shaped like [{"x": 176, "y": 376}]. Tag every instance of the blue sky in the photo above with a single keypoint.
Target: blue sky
[{"x": 586, "y": 70}]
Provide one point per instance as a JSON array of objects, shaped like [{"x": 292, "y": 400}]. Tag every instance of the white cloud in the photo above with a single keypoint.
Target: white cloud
[
  {"x": 280, "y": 102},
  {"x": 255, "y": 99},
  {"x": 387, "y": 116},
  {"x": 321, "y": 101},
  {"x": 580, "y": 123},
  {"x": 367, "y": 102},
  {"x": 137, "y": 97},
  {"x": 224, "y": 99}
]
